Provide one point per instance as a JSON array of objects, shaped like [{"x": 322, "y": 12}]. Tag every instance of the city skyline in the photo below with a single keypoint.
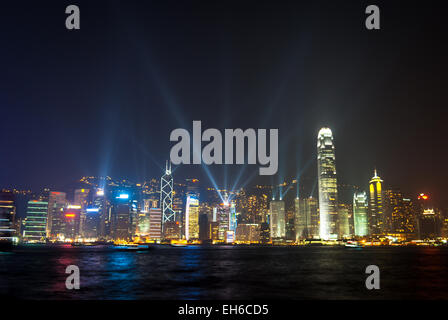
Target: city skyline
[{"x": 124, "y": 211}]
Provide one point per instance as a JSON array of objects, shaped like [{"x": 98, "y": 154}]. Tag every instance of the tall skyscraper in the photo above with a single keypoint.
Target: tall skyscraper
[
  {"x": 166, "y": 195},
  {"x": 399, "y": 214},
  {"x": 360, "y": 218},
  {"x": 55, "y": 219},
  {"x": 428, "y": 219},
  {"x": 306, "y": 218},
  {"x": 192, "y": 218},
  {"x": 121, "y": 217},
  {"x": 36, "y": 221},
  {"x": 328, "y": 190},
  {"x": 277, "y": 219},
  {"x": 343, "y": 221},
  {"x": 377, "y": 219},
  {"x": 155, "y": 224},
  {"x": 72, "y": 222}
]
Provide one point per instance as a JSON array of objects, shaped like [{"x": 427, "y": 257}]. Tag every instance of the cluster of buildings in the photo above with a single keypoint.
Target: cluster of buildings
[{"x": 102, "y": 209}]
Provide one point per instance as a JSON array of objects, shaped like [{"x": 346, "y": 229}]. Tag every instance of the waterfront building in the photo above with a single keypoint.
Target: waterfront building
[
  {"x": 343, "y": 221},
  {"x": 214, "y": 231},
  {"x": 72, "y": 215},
  {"x": 225, "y": 215},
  {"x": 204, "y": 228},
  {"x": 360, "y": 215},
  {"x": 121, "y": 217},
  {"x": 166, "y": 195},
  {"x": 429, "y": 225},
  {"x": 192, "y": 218},
  {"x": 306, "y": 218},
  {"x": 277, "y": 219},
  {"x": 248, "y": 232},
  {"x": 399, "y": 214},
  {"x": 429, "y": 220},
  {"x": 36, "y": 221},
  {"x": 155, "y": 224},
  {"x": 172, "y": 230},
  {"x": 377, "y": 219},
  {"x": 328, "y": 191},
  {"x": 265, "y": 233},
  {"x": 7, "y": 216},
  {"x": 55, "y": 219}
]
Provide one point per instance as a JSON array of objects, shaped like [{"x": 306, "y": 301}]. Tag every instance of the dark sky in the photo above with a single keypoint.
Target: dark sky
[{"x": 104, "y": 99}]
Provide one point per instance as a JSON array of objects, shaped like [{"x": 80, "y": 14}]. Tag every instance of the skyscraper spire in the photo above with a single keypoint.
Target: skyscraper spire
[
  {"x": 328, "y": 189},
  {"x": 166, "y": 195}
]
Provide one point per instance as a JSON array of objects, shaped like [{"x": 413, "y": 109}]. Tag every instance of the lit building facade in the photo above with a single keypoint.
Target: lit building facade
[
  {"x": 155, "y": 224},
  {"x": 277, "y": 219},
  {"x": 328, "y": 191},
  {"x": 192, "y": 218},
  {"x": 377, "y": 220},
  {"x": 166, "y": 196},
  {"x": 225, "y": 215},
  {"x": 35, "y": 229},
  {"x": 248, "y": 232},
  {"x": 72, "y": 216},
  {"x": 399, "y": 214},
  {"x": 55, "y": 219},
  {"x": 360, "y": 215},
  {"x": 7, "y": 216},
  {"x": 121, "y": 217},
  {"x": 343, "y": 221}
]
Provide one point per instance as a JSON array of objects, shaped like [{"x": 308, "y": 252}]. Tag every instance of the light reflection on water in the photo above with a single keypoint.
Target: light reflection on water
[{"x": 224, "y": 273}]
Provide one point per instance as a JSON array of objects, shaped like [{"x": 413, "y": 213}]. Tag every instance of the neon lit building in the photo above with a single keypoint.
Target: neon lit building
[
  {"x": 36, "y": 221},
  {"x": 277, "y": 219},
  {"x": 328, "y": 191},
  {"x": 377, "y": 219},
  {"x": 360, "y": 217},
  {"x": 192, "y": 218}
]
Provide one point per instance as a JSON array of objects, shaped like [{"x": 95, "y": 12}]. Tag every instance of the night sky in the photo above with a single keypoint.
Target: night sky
[{"x": 103, "y": 100}]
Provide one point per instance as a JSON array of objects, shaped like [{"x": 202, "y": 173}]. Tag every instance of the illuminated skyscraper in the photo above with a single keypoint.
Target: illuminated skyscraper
[
  {"x": 225, "y": 215},
  {"x": 399, "y": 214},
  {"x": 192, "y": 218},
  {"x": 360, "y": 218},
  {"x": 72, "y": 222},
  {"x": 428, "y": 220},
  {"x": 166, "y": 196},
  {"x": 377, "y": 219},
  {"x": 343, "y": 221},
  {"x": 277, "y": 219},
  {"x": 328, "y": 191},
  {"x": 121, "y": 217},
  {"x": 306, "y": 218},
  {"x": 155, "y": 224},
  {"x": 55, "y": 218}
]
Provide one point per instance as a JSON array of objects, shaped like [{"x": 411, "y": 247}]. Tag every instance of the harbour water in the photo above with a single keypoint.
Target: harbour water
[{"x": 224, "y": 272}]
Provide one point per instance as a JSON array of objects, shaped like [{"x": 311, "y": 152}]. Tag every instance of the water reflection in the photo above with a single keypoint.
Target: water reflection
[{"x": 225, "y": 273}]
